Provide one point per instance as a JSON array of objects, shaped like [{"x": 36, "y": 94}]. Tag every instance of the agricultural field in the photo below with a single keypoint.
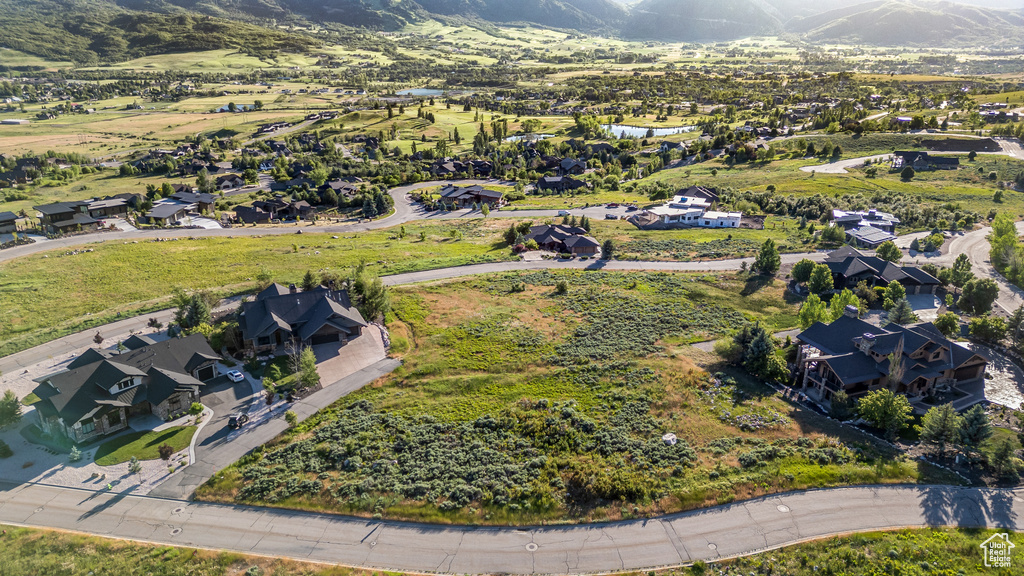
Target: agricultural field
[
  {"x": 49, "y": 295},
  {"x": 536, "y": 397}
]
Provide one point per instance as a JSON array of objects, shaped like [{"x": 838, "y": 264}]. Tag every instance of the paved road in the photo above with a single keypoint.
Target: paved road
[
  {"x": 975, "y": 244},
  {"x": 721, "y": 532},
  {"x": 72, "y": 342}
]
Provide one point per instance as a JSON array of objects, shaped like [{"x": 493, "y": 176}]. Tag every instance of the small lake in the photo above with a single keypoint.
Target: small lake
[
  {"x": 528, "y": 137},
  {"x": 420, "y": 92},
  {"x": 240, "y": 108},
  {"x": 641, "y": 132}
]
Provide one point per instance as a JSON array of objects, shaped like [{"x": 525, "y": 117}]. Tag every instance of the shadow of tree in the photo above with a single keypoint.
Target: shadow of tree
[{"x": 756, "y": 282}]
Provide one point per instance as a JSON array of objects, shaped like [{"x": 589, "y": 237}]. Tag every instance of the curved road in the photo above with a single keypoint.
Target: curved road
[
  {"x": 405, "y": 211},
  {"x": 708, "y": 535}
]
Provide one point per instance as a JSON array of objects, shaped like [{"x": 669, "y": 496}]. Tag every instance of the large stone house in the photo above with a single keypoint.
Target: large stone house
[
  {"x": 279, "y": 316},
  {"x": 63, "y": 217},
  {"x": 100, "y": 391},
  {"x": 851, "y": 355}
]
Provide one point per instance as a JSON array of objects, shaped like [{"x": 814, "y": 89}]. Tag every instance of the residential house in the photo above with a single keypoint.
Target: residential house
[
  {"x": 100, "y": 392},
  {"x": 851, "y": 267},
  {"x": 63, "y": 217},
  {"x": 854, "y": 356},
  {"x": 8, "y": 222},
  {"x": 868, "y": 237},
  {"x": 690, "y": 208},
  {"x": 204, "y": 202},
  {"x": 279, "y": 316},
  {"x": 229, "y": 181},
  {"x": 167, "y": 213},
  {"x": 112, "y": 207},
  {"x": 920, "y": 161},
  {"x": 874, "y": 218},
  {"x": 341, "y": 188},
  {"x": 571, "y": 166},
  {"x": 252, "y": 215},
  {"x": 560, "y": 183},
  {"x": 470, "y": 195},
  {"x": 564, "y": 239}
]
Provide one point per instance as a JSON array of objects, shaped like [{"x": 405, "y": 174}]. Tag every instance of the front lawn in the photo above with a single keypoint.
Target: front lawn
[{"x": 143, "y": 445}]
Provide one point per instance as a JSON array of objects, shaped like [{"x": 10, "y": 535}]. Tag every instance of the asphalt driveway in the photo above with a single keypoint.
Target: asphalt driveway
[{"x": 225, "y": 398}]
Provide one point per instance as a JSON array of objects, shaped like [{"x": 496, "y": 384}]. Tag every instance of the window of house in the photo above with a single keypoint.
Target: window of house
[
  {"x": 88, "y": 426},
  {"x": 263, "y": 340},
  {"x": 125, "y": 385},
  {"x": 114, "y": 418}
]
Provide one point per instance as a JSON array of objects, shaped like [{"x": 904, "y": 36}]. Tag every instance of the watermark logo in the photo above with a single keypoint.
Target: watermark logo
[{"x": 997, "y": 550}]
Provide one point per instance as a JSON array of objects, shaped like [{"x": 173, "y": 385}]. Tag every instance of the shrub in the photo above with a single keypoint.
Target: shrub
[
  {"x": 195, "y": 409},
  {"x": 75, "y": 454},
  {"x": 5, "y": 450},
  {"x": 165, "y": 451},
  {"x": 292, "y": 418},
  {"x": 561, "y": 287}
]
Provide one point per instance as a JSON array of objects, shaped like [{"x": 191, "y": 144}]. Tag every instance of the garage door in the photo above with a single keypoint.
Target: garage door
[
  {"x": 323, "y": 339},
  {"x": 207, "y": 373}
]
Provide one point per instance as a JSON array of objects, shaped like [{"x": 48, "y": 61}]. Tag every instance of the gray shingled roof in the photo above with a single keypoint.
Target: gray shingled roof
[{"x": 300, "y": 314}]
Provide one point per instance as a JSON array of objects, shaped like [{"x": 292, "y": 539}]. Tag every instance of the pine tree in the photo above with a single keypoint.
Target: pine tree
[
  {"x": 974, "y": 429},
  {"x": 134, "y": 466},
  {"x": 940, "y": 428},
  {"x": 901, "y": 313},
  {"x": 768, "y": 260},
  {"x": 1002, "y": 459},
  {"x": 310, "y": 281}
]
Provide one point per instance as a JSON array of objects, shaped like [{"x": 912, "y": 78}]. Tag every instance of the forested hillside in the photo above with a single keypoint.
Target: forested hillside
[{"x": 89, "y": 32}]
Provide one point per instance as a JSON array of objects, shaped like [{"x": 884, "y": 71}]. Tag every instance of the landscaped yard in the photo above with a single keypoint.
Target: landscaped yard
[
  {"x": 521, "y": 402},
  {"x": 143, "y": 445}
]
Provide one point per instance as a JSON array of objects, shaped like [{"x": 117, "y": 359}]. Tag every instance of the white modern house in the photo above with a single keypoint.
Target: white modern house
[{"x": 691, "y": 211}]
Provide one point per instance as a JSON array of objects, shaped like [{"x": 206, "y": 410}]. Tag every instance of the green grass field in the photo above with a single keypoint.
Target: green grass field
[
  {"x": 143, "y": 445},
  {"x": 48, "y": 295},
  {"x": 574, "y": 390}
]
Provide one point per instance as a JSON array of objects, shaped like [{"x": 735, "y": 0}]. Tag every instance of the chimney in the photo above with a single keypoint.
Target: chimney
[
  {"x": 851, "y": 311},
  {"x": 292, "y": 289}
]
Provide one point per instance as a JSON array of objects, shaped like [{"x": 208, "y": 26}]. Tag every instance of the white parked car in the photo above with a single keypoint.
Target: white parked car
[{"x": 235, "y": 376}]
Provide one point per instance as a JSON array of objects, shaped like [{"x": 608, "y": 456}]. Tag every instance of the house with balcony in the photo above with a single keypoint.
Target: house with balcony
[{"x": 854, "y": 356}]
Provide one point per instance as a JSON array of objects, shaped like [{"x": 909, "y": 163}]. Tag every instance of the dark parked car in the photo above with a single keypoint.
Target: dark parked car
[{"x": 237, "y": 420}]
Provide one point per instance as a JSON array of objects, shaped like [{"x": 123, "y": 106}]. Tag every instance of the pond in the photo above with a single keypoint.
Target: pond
[
  {"x": 641, "y": 132},
  {"x": 528, "y": 137},
  {"x": 239, "y": 107},
  {"x": 420, "y": 92}
]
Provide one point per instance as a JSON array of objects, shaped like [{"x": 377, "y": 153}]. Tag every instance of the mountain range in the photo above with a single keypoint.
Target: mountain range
[{"x": 89, "y": 29}]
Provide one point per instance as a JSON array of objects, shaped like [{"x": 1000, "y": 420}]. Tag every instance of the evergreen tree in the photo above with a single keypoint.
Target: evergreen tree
[
  {"x": 310, "y": 281},
  {"x": 10, "y": 409},
  {"x": 308, "y": 376},
  {"x": 369, "y": 209},
  {"x": 768, "y": 259},
  {"x": 607, "y": 250},
  {"x": 940, "y": 427},
  {"x": 1002, "y": 459},
  {"x": 902, "y": 313},
  {"x": 134, "y": 466},
  {"x": 975, "y": 428}
]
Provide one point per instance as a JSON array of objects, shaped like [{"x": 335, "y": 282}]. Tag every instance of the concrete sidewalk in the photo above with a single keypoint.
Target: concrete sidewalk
[{"x": 221, "y": 455}]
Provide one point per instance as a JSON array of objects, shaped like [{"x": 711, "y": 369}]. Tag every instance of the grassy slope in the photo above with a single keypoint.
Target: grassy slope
[
  {"x": 46, "y": 296},
  {"x": 463, "y": 359}
]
